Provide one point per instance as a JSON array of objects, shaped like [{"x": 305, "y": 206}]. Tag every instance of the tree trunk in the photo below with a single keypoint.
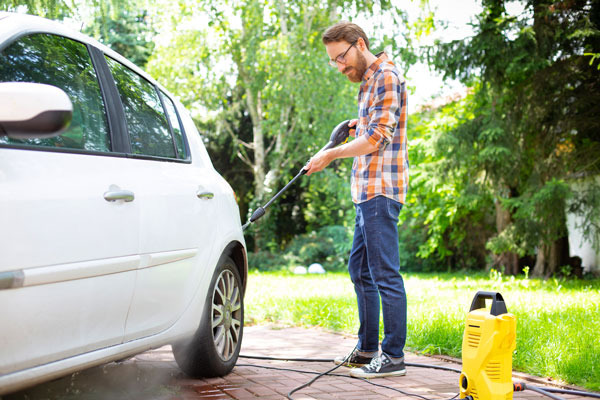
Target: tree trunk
[
  {"x": 540, "y": 261},
  {"x": 508, "y": 260},
  {"x": 551, "y": 257},
  {"x": 255, "y": 108}
]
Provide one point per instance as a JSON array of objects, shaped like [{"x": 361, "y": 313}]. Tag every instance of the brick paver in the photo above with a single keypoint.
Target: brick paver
[{"x": 154, "y": 375}]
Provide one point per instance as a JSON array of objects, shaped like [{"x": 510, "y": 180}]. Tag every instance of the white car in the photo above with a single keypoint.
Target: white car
[{"x": 116, "y": 235}]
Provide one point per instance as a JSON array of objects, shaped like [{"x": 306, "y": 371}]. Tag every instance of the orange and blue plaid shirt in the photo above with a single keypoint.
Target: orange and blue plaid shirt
[{"x": 382, "y": 103}]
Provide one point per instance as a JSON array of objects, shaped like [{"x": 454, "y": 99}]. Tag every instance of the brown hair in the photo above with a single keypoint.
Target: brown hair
[{"x": 344, "y": 30}]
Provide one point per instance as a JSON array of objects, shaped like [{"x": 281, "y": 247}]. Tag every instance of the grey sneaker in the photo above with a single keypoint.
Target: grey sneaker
[
  {"x": 353, "y": 360},
  {"x": 379, "y": 367}
]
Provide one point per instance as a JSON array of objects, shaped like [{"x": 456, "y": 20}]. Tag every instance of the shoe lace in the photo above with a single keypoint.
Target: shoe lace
[{"x": 374, "y": 365}]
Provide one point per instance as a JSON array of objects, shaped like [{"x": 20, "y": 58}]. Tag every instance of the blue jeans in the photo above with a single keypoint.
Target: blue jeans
[{"x": 374, "y": 269}]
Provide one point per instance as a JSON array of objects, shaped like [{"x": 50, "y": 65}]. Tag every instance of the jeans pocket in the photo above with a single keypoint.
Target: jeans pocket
[{"x": 393, "y": 208}]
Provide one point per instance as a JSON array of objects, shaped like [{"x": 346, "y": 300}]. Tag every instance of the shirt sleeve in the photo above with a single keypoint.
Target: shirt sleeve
[{"x": 384, "y": 112}]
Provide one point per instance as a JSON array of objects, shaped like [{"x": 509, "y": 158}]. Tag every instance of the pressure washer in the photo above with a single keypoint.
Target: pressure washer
[{"x": 488, "y": 344}]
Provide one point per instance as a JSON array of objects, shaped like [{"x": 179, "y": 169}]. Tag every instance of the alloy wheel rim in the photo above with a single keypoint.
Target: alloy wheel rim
[{"x": 226, "y": 315}]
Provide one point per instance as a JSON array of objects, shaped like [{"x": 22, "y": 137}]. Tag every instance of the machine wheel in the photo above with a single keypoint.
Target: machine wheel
[{"x": 214, "y": 348}]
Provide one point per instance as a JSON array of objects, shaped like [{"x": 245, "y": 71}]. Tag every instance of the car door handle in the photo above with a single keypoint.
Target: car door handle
[
  {"x": 114, "y": 195},
  {"x": 205, "y": 195}
]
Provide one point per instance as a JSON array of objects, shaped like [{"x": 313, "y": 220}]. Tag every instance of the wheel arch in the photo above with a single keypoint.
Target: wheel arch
[{"x": 237, "y": 252}]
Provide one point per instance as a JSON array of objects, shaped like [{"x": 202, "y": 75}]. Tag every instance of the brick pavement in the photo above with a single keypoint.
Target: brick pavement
[
  {"x": 154, "y": 375},
  {"x": 249, "y": 381}
]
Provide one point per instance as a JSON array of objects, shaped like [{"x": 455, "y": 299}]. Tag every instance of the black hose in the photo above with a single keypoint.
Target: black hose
[
  {"x": 431, "y": 366},
  {"x": 307, "y": 384},
  {"x": 338, "y": 375},
  {"x": 544, "y": 392},
  {"x": 573, "y": 392},
  {"x": 286, "y": 358},
  {"x": 400, "y": 391},
  {"x": 521, "y": 386},
  {"x": 289, "y": 395},
  {"x": 329, "y": 372}
]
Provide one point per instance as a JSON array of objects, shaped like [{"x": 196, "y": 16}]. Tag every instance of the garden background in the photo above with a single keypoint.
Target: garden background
[{"x": 503, "y": 169}]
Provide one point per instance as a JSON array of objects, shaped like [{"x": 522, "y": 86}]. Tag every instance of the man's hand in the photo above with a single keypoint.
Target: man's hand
[
  {"x": 352, "y": 123},
  {"x": 322, "y": 159},
  {"x": 318, "y": 162},
  {"x": 356, "y": 147}
]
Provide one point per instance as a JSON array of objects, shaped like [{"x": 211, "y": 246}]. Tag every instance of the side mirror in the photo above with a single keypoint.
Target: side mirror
[{"x": 33, "y": 110}]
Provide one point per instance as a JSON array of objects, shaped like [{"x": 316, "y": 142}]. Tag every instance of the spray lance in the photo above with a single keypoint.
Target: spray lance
[{"x": 338, "y": 136}]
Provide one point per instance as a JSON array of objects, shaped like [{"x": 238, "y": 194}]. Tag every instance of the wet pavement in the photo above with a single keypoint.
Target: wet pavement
[{"x": 154, "y": 375}]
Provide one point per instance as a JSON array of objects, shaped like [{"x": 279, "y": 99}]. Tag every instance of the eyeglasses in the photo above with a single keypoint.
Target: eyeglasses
[{"x": 340, "y": 59}]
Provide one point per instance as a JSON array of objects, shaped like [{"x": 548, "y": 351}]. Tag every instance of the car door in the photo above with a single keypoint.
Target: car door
[
  {"x": 177, "y": 205},
  {"x": 69, "y": 228}
]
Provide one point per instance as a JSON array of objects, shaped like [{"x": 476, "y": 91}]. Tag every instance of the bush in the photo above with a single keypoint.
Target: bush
[
  {"x": 329, "y": 246},
  {"x": 264, "y": 260}
]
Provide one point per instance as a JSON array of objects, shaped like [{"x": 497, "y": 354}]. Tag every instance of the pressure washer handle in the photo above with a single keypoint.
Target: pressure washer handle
[
  {"x": 339, "y": 135},
  {"x": 498, "y": 305}
]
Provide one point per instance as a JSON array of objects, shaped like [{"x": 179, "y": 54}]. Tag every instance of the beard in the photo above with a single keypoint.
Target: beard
[{"x": 357, "y": 71}]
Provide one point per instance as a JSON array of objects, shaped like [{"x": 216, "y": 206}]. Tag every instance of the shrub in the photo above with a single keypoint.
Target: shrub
[{"x": 329, "y": 246}]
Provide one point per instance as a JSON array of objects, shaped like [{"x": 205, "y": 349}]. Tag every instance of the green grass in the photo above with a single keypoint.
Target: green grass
[{"x": 558, "y": 322}]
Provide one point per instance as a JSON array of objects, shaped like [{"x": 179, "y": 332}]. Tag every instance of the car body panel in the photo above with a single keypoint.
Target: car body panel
[
  {"x": 173, "y": 218},
  {"x": 78, "y": 258}
]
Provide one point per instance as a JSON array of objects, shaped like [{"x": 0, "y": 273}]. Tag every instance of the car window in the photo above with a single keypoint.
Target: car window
[
  {"x": 175, "y": 126},
  {"x": 147, "y": 124},
  {"x": 65, "y": 63}
]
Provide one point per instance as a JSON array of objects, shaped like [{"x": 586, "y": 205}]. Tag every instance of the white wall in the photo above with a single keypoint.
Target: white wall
[{"x": 590, "y": 258}]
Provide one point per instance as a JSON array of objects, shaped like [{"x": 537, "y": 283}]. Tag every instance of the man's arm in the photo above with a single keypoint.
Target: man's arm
[{"x": 384, "y": 114}]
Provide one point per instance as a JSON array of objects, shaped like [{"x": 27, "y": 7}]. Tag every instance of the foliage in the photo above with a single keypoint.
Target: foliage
[
  {"x": 329, "y": 246},
  {"x": 129, "y": 33},
  {"x": 532, "y": 127},
  {"x": 53, "y": 9},
  {"x": 445, "y": 222},
  {"x": 122, "y": 25},
  {"x": 557, "y": 320}
]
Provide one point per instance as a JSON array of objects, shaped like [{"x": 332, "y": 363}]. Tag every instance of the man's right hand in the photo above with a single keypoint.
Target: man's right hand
[{"x": 352, "y": 123}]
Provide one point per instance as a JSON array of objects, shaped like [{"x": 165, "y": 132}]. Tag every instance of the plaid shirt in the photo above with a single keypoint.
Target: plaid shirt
[{"x": 382, "y": 117}]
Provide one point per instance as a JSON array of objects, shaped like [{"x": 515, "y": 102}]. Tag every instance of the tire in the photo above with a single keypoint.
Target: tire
[{"x": 214, "y": 348}]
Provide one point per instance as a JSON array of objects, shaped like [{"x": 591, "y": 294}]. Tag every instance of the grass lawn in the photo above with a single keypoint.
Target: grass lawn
[{"x": 558, "y": 322}]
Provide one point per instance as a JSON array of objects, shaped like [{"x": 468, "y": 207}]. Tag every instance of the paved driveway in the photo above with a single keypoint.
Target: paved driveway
[{"x": 154, "y": 375}]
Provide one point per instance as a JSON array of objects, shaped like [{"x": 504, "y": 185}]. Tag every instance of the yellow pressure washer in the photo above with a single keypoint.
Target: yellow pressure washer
[{"x": 488, "y": 344}]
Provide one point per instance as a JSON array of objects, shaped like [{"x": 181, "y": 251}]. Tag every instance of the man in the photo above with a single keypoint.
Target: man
[{"x": 379, "y": 185}]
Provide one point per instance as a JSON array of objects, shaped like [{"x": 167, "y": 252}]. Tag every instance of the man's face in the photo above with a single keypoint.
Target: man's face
[{"x": 355, "y": 63}]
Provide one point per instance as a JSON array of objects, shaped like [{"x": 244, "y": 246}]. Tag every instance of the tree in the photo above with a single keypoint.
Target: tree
[
  {"x": 122, "y": 25},
  {"x": 129, "y": 32},
  {"x": 53, "y": 9},
  {"x": 533, "y": 127}
]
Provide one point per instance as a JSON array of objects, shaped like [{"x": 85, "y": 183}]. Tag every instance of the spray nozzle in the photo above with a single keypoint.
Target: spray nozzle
[{"x": 259, "y": 212}]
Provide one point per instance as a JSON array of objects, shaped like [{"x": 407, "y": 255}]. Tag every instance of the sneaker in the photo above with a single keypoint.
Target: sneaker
[
  {"x": 379, "y": 367},
  {"x": 353, "y": 360}
]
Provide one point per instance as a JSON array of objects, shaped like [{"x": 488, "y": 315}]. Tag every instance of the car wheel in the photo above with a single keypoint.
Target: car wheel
[{"x": 214, "y": 348}]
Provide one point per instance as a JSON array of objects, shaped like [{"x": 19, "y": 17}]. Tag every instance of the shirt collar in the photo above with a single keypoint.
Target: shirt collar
[{"x": 381, "y": 58}]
